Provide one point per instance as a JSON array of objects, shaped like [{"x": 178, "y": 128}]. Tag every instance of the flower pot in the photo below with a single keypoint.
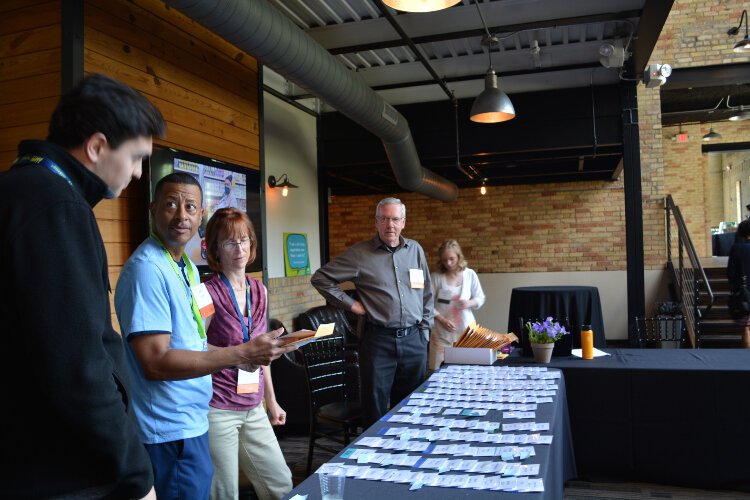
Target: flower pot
[{"x": 542, "y": 352}]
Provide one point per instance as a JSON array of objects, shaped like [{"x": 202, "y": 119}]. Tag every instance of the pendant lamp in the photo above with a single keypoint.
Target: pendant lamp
[
  {"x": 420, "y": 5},
  {"x": 492, "y": 105},
  {"x": 711, "y": 135}
]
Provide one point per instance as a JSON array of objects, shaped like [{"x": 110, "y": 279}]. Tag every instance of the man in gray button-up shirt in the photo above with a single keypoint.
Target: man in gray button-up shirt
[{"x": 395, "y": 296}]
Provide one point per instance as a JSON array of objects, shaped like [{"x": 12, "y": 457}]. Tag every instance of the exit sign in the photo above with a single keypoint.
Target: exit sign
[{"x": 682, "y": 137}]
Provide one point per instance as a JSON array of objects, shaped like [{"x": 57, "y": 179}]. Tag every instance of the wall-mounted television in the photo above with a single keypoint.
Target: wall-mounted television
[{"x": 224, "y": 185}]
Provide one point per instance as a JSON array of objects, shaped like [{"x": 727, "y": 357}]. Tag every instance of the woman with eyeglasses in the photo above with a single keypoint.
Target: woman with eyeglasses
[{"x": 239, "y": 427}]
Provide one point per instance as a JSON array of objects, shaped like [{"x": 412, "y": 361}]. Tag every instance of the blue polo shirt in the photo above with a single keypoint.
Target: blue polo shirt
[{"x": 151, "y": 298}]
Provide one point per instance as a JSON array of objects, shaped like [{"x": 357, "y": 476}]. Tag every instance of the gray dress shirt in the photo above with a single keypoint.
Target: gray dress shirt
[{"x": 381, "y": 276}]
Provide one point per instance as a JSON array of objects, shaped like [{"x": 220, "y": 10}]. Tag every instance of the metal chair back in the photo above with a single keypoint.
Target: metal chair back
[{"x": 656, "y": 331}]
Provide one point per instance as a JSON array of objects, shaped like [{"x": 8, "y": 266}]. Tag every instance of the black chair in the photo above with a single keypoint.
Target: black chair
[
  {"x": 289, "y": 386},
  {"x": 346, "y": 322},
  {"x": 334, "y": 414},
  {"x": 563, "y": 347},
  {"x": 660, "y": 331}
]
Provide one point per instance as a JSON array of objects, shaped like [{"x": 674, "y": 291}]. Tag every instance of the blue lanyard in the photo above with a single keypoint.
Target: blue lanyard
[
  {"x": 245, "y": 334},
  {"x": 46, "y": 163}
]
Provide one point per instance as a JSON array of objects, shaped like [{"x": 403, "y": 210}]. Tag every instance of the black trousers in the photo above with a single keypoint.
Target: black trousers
[{"x": 392, "y": 364}]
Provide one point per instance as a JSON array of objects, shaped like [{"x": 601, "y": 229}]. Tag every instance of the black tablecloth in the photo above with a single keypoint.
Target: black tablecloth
[
  {"x": 580, "y": 304},
  {"x": 557, "y": 464},
  {"x": 722, "y": 243},
  {"x": 671, "y": 416}
]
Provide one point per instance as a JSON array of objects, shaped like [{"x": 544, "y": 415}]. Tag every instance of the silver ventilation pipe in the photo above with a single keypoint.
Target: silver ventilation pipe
[{"x": 275, "y": 41}]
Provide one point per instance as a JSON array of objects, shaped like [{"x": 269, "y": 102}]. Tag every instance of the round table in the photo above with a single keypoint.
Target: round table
[{"x": 579, "y": 304}]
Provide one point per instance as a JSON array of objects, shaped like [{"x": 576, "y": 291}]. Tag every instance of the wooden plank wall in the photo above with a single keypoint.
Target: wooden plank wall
[
  {"x": 205, "y": 88},
  {"x": 29, "y": 71}
]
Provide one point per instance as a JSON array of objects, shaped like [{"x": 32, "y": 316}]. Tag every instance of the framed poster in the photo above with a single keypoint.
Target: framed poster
[{"x": 296, "y": 256}]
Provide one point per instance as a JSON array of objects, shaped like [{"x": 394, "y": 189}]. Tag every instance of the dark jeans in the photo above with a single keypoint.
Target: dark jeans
[
  {"x": 391, "y": 367},
  {"x": 182, "y": 469}
]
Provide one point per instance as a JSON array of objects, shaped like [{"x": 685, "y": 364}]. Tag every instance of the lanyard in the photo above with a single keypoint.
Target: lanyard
[
  {"x": 191, "y": 280},
  {"x": 46, "y": 163},
  {"x": 245, "y": 334}
]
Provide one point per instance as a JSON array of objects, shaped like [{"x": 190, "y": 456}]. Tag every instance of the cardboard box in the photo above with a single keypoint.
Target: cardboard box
[{"x": 470, "y": 355}]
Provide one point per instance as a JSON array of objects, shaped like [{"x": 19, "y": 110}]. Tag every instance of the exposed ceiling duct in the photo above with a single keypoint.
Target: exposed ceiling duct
[{"x": 275, "y": 41}]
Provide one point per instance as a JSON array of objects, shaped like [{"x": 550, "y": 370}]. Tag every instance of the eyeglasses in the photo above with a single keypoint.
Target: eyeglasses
[
  {"x": 385, "y": 220},
  {"x": 230, "y": 245}
]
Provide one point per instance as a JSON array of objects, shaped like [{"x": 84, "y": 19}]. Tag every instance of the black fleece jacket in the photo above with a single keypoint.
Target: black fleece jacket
[
  {"x": 739, "y": 259},
  {"x": 68, "y": 426}
]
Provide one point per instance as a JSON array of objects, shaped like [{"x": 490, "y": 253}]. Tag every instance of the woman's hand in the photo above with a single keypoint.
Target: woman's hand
[
  {"x": 446, "y": 323},
  {"x": 276, "y": 413},
  {"x": 464, "y": 303}
]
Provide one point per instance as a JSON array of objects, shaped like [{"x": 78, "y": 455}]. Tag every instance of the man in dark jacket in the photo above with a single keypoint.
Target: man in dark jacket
[{"x": 69, "y": 430}]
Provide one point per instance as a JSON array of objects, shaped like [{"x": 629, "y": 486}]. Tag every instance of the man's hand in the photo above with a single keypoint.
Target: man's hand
[
  {"x": 263, "y": 349},
  {"x": 358, "y": 308}
]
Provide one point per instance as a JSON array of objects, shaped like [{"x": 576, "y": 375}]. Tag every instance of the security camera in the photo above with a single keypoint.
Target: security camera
[{"x": 656, "y": 75}]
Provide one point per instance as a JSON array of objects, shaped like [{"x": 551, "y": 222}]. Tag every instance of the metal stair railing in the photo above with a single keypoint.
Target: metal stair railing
[{"x": 688, "y": 273}]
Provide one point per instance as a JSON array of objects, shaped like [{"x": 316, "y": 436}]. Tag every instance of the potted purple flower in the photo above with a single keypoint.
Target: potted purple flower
[{"x": 542, "y": 337}]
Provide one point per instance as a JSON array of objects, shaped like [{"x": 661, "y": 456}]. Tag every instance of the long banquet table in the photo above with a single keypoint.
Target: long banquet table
[
  {"x": 556, "y": 462},
  {"x": 671, "y": 416}
]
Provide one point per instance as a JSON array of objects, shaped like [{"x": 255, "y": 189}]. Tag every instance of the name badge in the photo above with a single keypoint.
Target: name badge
[
  {"x": 247, "y": 382},
  {"x": 416, "y": 277},
  {"x": 203, "y": 299}
]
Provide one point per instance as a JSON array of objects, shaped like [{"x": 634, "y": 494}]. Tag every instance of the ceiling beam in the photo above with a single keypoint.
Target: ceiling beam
[
  {"x": 708, "y": 76},
  {"x": 438, "y": 36},
  {"x": 501, "y": 15},
  {"x": 652, "y": 21},
  {"x": 415, "y": 50}
]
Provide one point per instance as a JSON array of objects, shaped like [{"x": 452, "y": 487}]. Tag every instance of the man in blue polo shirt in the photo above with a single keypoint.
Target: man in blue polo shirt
[{"x": 168, "y": 354}]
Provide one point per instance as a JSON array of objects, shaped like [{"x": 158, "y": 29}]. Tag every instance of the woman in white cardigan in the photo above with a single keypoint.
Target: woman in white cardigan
[{"x": 456, "y": 292}]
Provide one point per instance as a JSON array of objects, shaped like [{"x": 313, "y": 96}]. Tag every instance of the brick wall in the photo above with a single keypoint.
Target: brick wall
[
  {"x": 694, "y": 35},
  {"x": 287, "y": 297},
  {"x": 689, "y": 179},
  {"x": 543, "y": 227},
  {"x": 652, "y": 177}
]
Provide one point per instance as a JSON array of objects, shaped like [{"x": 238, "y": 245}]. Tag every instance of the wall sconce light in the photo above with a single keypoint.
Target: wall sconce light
[
  {"x": 711, "y": 135},
  {"x": 282, "y": 182},
  {"x": 420, "y": 5},
  {"x": 483, "y": 189},
  {"x": 743, "y": 46}
]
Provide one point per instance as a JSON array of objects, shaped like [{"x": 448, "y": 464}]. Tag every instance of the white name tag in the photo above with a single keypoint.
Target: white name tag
[
  {"x": 416, "y": 277},
  {"x": 203, "y": 299},
  {"x": 247, "y": 382}
]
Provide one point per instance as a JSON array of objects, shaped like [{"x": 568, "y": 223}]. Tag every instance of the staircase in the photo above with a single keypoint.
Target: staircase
[
  {"x": 717, "y": 328},
  {"x": 700, "y": 286}
]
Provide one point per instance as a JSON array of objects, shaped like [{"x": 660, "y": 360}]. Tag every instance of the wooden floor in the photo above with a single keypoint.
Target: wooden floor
[{"x": 295, "y": 451}]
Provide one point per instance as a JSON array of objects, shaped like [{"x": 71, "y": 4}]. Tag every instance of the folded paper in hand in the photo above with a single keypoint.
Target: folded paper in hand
[{"x": 303, "y": 337}]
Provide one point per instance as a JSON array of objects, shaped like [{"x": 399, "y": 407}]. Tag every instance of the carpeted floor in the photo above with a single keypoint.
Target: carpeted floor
[{"x": 295, "y": 452}]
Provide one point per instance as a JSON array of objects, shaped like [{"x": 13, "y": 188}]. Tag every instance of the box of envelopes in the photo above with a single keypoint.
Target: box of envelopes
[{"x": 470, "y": 355}]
